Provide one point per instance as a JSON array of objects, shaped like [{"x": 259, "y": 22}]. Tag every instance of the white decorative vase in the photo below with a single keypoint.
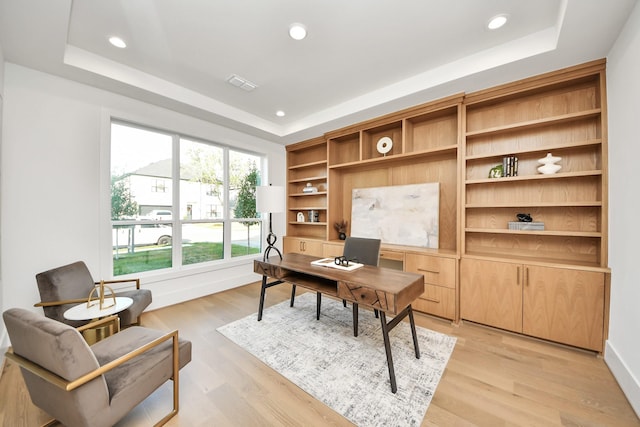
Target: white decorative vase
[{"x": 549, "y": 164}]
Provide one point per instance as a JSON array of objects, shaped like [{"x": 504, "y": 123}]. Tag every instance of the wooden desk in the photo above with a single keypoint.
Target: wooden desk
[{"x": 388, "y": 291}]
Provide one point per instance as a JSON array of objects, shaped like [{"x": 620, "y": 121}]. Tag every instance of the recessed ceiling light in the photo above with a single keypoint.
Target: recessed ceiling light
[
  {"x": 280, "y": 113},
  {"x": 297, "y": 31},
  {"x": 117, "y": 42},
  {"x": 497, "y": 22}
]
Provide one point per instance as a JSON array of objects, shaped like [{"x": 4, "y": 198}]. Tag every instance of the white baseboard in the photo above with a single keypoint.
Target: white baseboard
[
  {"x": 627, "y": 381},
  {"x": 198, "y": 290}
]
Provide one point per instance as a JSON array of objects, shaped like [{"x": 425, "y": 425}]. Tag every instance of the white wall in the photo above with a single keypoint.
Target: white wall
[
  {"x": 53, "y": 195},
  {"x": 4, "y": 340},
  {"x": 622, "y": 352}
]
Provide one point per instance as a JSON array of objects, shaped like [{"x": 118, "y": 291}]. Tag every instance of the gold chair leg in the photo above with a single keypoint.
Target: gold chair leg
[{"x": 176, "y": 384}]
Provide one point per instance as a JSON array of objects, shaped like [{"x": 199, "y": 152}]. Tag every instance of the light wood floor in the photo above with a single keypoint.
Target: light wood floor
[{"x": 492, "y": 379}]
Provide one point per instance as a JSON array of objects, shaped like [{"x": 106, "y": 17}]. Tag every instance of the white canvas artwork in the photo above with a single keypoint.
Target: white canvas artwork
[{"x": 398, "y": 214}]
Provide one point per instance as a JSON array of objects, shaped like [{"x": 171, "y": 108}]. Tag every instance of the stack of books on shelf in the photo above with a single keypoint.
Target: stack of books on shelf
[
  {"x": 510, "y": 166},
  {"x": 519, "y": 225}
]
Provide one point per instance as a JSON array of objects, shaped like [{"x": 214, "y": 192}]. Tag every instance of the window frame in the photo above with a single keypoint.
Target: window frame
[{"x": 177, "y": 269}]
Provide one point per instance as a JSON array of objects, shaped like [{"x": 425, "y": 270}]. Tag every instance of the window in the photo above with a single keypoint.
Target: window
[
  {"x": 178, "y": 201},
  {"x": 159, "y": 186}
]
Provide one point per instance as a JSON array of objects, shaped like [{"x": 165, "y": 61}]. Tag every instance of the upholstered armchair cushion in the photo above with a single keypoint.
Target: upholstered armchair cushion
[
  {"x": 39, "y": 339},
  {"x": 141, "y": 300},
  {"x": 103, "y": 401},
  {"x": 139, "y": 377},
  {"x": 74, "y": 281}
]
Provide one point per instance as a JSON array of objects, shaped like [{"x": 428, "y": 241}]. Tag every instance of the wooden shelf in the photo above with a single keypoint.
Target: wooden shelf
[
  {"x": 310, "y": 164},
  {"x": 542, "y": 149},
  {"x": 533, "y": 232},
  {"x": 326, "y": 286},
  {"x": 560, "y": 175},
  {"x": 589, "y": 203},
  {"x": 309, "y": 178},
  {"x": 308, "y": 208},
  {"x": 448, "y": 150},
  {"x": 307, "y": 162},
  {"x": 317, "y": 193},
  {"x": 532, "y": 124}
]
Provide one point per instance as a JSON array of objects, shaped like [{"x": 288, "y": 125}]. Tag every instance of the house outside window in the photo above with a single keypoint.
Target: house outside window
[
  {"x": 177, "y": 201},
  {"x": 159, "y": 186}
]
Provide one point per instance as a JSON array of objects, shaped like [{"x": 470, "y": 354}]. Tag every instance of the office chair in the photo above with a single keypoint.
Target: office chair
[{"x": 357, "y": 249}]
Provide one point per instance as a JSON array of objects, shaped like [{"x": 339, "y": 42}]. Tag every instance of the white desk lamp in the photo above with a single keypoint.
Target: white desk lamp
[{"x": 270, "y": 199}]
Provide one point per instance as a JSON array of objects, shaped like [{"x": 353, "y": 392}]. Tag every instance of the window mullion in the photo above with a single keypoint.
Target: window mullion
[
  {"x": 176, "y": 223},
  {"x": 227, "y": 214}
]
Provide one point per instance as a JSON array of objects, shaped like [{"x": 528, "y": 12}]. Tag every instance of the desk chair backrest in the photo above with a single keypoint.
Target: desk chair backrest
[
  {"x": 362, "y": 250},
  {"x": 62, "y": 350}
]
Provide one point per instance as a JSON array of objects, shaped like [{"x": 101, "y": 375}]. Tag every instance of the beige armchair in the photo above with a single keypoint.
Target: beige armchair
[
  {"x": 92, "y": 386},
  {"x": 63, "y": 287}
]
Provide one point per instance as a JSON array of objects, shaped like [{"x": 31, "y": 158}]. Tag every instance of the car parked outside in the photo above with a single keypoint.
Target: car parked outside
[
  {"x": 159, "y": 214},
  {"x": 142, "y": 235}
]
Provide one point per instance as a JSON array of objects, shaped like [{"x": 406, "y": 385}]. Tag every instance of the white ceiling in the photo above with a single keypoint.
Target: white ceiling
[{"x": 361, "y": 58}]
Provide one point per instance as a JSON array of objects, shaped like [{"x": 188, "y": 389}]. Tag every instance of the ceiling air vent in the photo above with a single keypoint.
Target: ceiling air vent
[{"x": 242, "y": 83}]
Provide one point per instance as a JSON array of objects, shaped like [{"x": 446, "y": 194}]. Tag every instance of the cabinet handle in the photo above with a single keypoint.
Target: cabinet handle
[
  {"x": 428, "y": 271},
  {"x": 518, "y": 276},
  {"x": 526, "y": 273},
  {"x": 437, "y": 301}
]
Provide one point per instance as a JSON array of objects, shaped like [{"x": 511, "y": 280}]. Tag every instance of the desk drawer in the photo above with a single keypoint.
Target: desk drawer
[
  {"x": 436, "y": 271},
  {"x": 362, "y": 295},
  {"x": 392, "y": 255},
  {"x": 438, "y": 301}
]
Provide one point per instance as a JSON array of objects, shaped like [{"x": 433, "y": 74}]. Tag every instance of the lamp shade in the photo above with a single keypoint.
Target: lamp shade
[{"x": 270, "y": 199}]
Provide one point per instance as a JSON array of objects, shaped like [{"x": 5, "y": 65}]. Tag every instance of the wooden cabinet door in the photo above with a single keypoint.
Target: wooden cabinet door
[
  {"x": 302, "y": 246},
  {"x": 564, "y": 305},
  {"x": 290, "y": 244},
  {"x": 491, "y": 293}
]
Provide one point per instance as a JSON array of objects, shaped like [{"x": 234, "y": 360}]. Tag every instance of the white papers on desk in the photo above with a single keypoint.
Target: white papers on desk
[{"x": 331, "y": 262}]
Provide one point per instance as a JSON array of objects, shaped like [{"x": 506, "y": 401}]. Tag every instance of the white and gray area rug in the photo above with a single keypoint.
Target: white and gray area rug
[{"x": 347, "y": 373}]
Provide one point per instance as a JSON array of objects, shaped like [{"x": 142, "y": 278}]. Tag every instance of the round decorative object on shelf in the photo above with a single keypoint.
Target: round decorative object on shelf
[
  {"x": 309, "y": 188},
  {"x": 300, "y": 217},
  {"x": 549, "y": 164},
  {"x": 384, "y": 145}
]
